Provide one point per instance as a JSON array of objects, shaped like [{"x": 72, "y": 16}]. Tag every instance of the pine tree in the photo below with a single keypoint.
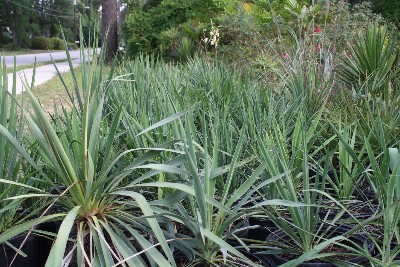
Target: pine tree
[
  {"x": 53, "y": 13},
  {"x": 17, "y": 17},
  {"x": 110, "y": 28}
]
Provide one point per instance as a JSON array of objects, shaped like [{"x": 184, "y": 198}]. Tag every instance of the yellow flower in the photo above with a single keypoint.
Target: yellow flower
[{"x": 247, "y": 7}]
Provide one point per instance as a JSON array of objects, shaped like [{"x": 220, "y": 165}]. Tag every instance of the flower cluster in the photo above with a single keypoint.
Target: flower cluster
[{"x": 213, "y": 40}]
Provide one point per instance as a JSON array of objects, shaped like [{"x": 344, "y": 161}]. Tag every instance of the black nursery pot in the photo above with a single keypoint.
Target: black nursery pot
[
  {"x": 252, "y": 255},
  {"x": 361, "y": 214},
  {"x": 30, "y": 248},
  {"x": 393, "y": 246},
  {"x": 46, "y": 242},
  {"x": 360, "y": 239},
  {"x": 367, "y": 195},
  {"x": 266, "y": 227}
]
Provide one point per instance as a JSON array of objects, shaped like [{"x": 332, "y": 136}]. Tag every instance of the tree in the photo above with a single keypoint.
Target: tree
[
  {"x": 389, "y": 9},
  {"x": 17, "y": 16},
  {"x": 53, "y": 13},
  {"x": 109, "y": 28},
  {"x": 89, "y": 16}
]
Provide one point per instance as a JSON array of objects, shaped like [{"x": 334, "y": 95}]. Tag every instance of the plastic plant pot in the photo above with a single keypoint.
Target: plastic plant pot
[
  {"x": 31, "y": 248},
  {"x": 360, "y": 239}
]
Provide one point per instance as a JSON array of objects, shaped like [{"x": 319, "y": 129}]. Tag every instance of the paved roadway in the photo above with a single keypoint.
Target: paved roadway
[
  {"x": 43, "y": 73},
  {"x": 40, "y": 57}
]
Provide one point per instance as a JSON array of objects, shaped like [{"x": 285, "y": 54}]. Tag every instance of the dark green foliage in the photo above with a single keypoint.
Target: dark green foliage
[
  {"x": 17, "y": 22},
  {"x": 144, "y": 26},
  {"x": 388, "y": 8},
  {"x": 148, "y": 28},
  {"x": 21, "y": 19},
  {"x": 42, "y": 43},
  {"x": 56, "y": 13}
]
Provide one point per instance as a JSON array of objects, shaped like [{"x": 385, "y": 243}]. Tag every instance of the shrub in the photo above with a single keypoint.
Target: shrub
[
  {"x": 73, "y": 46},
  {"x": 42, "y": 43},
  {"x": 353, "y": 21},
  {"x": 169, "y": 41},
  {"x": 242, "y": 38},
  {"x": 143, "y": 27},
  {"x": 147, "y": 27},
  {"x": 58, "y": 43},
  {"x": 185, "y": 50}
]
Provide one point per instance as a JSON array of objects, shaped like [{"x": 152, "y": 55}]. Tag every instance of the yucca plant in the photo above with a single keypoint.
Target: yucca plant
[
  {"x": 17, "y": 183},
  {"x": 78, "y": 150},
  {"x": 210, "y": 206},
  {"x": 373, "y": 62},
  {"x": 302, "y": 196},
  {"x": 345, "y": 173},
  {"x": 158, "y": 90},
  {"x": 383, "y": 175},
  {"x": 376, "y": 117},
  {"x": 185, "y": 50},
  {"x": 306, "y": 80}
]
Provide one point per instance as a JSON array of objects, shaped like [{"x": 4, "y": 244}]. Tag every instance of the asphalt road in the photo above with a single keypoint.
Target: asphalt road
[
  {"x": 40, "y": 57},
  {"x": 43, "y": 73}
]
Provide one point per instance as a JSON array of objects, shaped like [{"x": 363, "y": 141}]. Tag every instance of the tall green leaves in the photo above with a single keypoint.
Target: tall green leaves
[
  {"x": 78, "y": 149},
  {"x": 374, "y": 61},
  {"x": 15, "y": 182}
]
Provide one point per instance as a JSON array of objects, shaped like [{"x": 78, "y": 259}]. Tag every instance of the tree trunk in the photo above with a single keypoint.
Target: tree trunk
[
  {"x": 13, "y": 29},
  {"x": 109, "y": 28}
]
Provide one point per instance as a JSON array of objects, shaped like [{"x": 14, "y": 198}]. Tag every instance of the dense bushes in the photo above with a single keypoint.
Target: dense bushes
[
  {"x": 253, "y": 34},
  {"x": 58, "y": 43},
  {"x": 160, "y": 26},
  {"x": 389, "y": 9},
  {"x": 44, "y": 43}
]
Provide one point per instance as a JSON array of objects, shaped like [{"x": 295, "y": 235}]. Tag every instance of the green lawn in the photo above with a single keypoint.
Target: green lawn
[
  {"x": 38, "y": 64},
  {"x": 53, "y": 91},
  {"x": 8, "y": 52}
]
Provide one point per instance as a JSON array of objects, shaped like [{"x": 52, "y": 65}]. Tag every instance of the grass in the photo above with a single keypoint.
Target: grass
[
  {"x": 9, "y": 52},
  {"x": 38, "y": 64},
  {"x": 52, "y": 92}
]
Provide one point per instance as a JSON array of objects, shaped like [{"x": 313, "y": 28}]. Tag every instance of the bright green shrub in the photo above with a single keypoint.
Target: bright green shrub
[
  {"x": 42, "y": 43},
  {"x": 58, "y": 43},
  {"x": 169, "y": 41},
  {"x": 185, "y": 49},
  {"x": 242, "y": 37},
  {"x": 73, "y": 46}
]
